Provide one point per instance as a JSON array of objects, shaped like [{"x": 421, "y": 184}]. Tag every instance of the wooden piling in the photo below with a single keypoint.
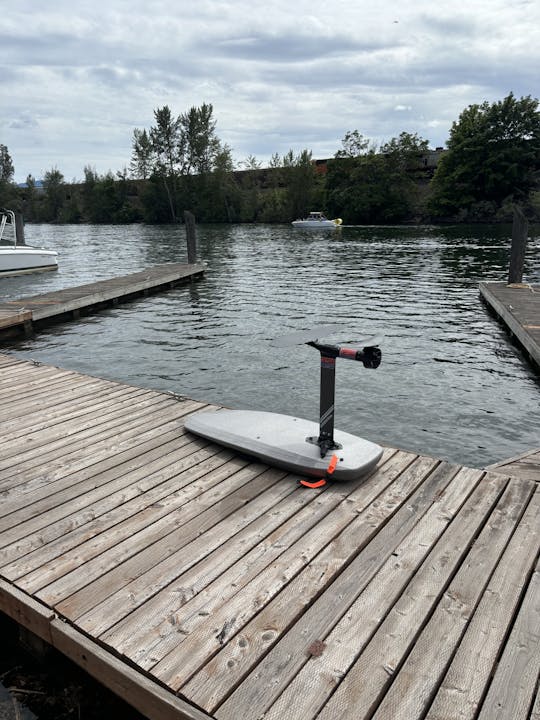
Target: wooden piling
[
  {"x": 191, "y": 237},
  {"x": 19, "y": 229},
  {"x": 520, "y": 229}
]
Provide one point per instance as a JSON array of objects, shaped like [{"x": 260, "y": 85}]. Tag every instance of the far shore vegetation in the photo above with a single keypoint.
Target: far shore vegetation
[{"x": 491, "y": 163}]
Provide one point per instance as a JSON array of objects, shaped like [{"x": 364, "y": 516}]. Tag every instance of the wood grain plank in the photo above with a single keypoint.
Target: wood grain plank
[
  {"x": 149, "y": 698},
  {"x": 144, "y": 499},
  {"x": 93, "y": 486},
  {"x": 81, "y": 466},
  {"x": 88, "y": 400},
  {"x": 26, "y": 611},
  {"x": 105, "y": 442},
  {"x": 8, "y": 360},
  {"x": 305, "y": 691},
  {"x": 159, "y": 547},
  {"x": 311, "y": 564},
  {"x": 367, "y": 685},
  {"x": 22, "y": 446},
  {"x": 47, "y": 398},
  {"x": 182, "y": 470},
  {"x": 177, "y": 610},
  {"x": 470, "y": 673},
  {"x": 16, "y": 377},
  {"x": 42, "y": 386},
  {"x": 286, "y": 659},
  {"x": 515, "y": 682},
  {"x": 189, "y": 581},
  {"x": 47, "y": 496},
  {"x": 119, "y": 415}
]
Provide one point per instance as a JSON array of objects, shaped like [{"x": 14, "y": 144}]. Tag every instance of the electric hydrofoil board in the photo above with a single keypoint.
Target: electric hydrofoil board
[{"x": 301, "y": 446}]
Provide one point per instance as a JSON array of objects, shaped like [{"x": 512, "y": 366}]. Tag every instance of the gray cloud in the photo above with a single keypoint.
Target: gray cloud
[{"x": 76, "y": 79}]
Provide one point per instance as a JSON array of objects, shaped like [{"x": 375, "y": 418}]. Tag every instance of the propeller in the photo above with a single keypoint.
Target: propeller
[
  {"x": 316, "y": 333},
  {"x": 304, "y": 336}
]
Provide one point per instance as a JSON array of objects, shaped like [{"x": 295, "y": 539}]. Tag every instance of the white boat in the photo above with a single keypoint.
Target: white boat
[
  {"x": 18, "y": 259},
  {"x": 317, "y": 221}
]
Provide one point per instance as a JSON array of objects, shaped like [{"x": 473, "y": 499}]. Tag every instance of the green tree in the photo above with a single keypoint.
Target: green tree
[
  {"x": 7, "y": 170},
  {"x": 54, "y": 186},
  {"x": 493, "y": 157},
  {"x": 219, "y": 201},
  {"x": 142, "y": 156},
  {"x": 30, "y": 197},
  {"x": 200, "y": 142},
  {"x": 302, "y": 184},
  {"x": 250, "y": 163},
  {"x": 8, "y": 190},
  {"x": 353, "y": 145},
  {"x": 367, "y": 184},
  {"x": 406, "y": 151},
  {"x": 174, "y": 149},
  {"x": 166, "y": 140}
]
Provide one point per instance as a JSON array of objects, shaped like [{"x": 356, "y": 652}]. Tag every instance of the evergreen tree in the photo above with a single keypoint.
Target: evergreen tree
[{"x": 7, "y": 170}]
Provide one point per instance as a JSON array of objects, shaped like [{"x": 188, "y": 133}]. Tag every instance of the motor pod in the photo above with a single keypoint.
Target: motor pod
[{"x": 369, "y": 356}]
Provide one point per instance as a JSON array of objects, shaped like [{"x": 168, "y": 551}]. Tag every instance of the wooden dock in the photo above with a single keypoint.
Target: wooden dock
[
  {"x": 27, "y": 313},
  {"x": 518, "y": 307},
  {"x": 196, "y": 583},
  {"x": 525, "y": 466}
]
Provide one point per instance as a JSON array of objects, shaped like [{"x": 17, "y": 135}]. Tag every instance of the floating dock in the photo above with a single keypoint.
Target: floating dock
[
  {"x": 196, "y": 583},
  {"x": 27, "y": 313},
  {"x": 526, "y": 465},
  {"x": 518, "y": 307}
]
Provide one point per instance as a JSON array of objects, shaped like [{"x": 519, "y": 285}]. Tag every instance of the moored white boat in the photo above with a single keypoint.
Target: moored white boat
[
  {"x": 317, "y": 221},
  {"x": 17, "y": 259}
]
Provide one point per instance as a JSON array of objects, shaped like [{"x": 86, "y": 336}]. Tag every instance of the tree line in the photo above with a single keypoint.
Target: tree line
[{"x": 491, "y": 162}]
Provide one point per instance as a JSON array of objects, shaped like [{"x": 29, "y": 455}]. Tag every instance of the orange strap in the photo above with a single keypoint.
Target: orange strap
[
  {"x": 332, "y": 464},
  {"x": 316, "y": 484}
]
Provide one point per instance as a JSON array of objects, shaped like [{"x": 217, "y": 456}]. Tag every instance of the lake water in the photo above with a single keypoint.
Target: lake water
[{"x": 451, "y": 384}]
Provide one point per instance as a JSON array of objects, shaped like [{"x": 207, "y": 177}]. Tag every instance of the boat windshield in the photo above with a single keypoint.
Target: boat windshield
[{"x": 7, "y": 218}]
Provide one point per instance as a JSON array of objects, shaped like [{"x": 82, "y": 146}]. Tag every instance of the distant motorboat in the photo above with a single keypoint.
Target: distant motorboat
[
  {"x": 17, "y": 259},
  {"x": 317, "y": 221}
]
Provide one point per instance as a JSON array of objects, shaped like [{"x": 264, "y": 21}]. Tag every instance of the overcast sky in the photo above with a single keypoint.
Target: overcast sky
[{"x": 77, "y": 77}]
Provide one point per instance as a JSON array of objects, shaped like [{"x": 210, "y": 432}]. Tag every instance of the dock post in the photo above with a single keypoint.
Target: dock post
[
  {"x": 19, "y": 229},
  {"x": 191, "y": 237},
  {"x": 520, "y": 229}
]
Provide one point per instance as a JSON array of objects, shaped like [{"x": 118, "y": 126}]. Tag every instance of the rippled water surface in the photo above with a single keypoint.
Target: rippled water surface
[{"x": 450, "y": 384}]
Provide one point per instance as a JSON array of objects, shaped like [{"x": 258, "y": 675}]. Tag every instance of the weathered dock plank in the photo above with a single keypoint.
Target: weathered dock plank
[
  {"x": 26, "y": 312},
  {"x": 518, "y": 307},
  {"x": 196, "y": 583},
  {"x": 526, "y": 465}
]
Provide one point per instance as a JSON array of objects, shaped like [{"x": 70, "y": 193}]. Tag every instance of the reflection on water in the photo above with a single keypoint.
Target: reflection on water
[{"x": 450, "y": 385}]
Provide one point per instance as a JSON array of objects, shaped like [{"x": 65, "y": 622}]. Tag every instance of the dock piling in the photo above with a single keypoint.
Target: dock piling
[
  {"x": 191, "y": 237},
  {"x": 520, "y": 229},
  {"x": 19, "y": 229}
]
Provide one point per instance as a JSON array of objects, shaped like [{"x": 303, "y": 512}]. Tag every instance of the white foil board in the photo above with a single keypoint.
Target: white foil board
[{"x": 281, "y": 440}]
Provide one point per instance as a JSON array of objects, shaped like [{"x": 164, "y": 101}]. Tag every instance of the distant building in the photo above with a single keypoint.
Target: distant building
[{"x": 38, "y": 185}]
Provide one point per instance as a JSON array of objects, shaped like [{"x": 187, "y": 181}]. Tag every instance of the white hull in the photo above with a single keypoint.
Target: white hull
[
  {"x": 281, "y": 440},
  {"x": 25, "y": 259},
  {"x": 316, "y": 224}
]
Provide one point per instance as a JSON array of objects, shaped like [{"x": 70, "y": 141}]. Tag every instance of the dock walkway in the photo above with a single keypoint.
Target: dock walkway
[
  {"x": 518, "y": 307},
  {"x": 196, "y": 583},
  {"x": 526, "y": 465},
  {"x": 27, "y": 312}
]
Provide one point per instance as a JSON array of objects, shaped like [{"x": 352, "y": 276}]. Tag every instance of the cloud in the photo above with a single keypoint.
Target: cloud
[{"x": 77, "y": 79}]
